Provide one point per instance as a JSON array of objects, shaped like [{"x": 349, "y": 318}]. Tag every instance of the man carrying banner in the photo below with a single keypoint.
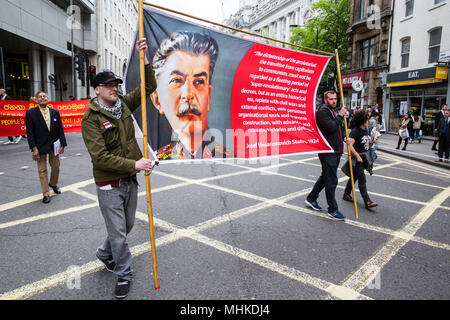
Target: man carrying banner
[
  {"x": 45, "y": 136},
  {"x": 108, "y": 132},
  {"x": 184, "y": 65},
  {"x": 330, "y": 124}
]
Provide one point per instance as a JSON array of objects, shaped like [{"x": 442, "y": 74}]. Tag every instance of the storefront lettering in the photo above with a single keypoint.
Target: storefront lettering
[{"x": 413, "y": 74}]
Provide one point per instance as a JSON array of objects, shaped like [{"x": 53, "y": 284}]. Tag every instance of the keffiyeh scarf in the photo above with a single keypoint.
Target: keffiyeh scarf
[{"x": 116, "y": 110}]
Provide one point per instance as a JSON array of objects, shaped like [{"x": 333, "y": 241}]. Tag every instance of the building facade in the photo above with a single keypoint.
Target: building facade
[
  {"x": 117, "y": 23},
  {"x": 35, "y": 42},
  {"x": 271, "y": 18},
  {"x": 368, "y": 52},
  {"x": 417, "y": 81}
]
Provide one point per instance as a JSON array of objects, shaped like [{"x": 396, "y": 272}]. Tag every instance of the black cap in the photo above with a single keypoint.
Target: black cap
[{"x": 104, "y": 78}]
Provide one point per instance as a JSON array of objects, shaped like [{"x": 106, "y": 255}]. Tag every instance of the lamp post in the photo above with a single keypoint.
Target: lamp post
[{"x": 74, "y": 79}]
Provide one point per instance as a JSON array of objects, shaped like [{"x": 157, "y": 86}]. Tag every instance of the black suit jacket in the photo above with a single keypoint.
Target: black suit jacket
[
  {"x": 38, "y": 134},
  {"x": 437, "y": 118},
  {"x": 440, "y": 127}
]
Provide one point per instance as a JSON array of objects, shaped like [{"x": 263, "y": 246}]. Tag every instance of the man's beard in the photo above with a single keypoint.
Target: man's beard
[{"x": 186, "y": 108}]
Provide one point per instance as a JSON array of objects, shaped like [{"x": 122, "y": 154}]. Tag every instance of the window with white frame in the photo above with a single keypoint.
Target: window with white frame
[
  {"x": 406, "y": 47},
  {"x": 435, "y": 45},
  {"x": 438, "y": 1}
]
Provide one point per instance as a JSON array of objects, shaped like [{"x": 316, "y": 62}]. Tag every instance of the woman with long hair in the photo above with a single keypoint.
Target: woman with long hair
[
  {"x": 359, "y": 142},
  {"x": 406, "y": 124}
]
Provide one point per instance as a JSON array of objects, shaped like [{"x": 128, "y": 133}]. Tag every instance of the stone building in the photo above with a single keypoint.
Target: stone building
[{"x": 368, "y": 51}]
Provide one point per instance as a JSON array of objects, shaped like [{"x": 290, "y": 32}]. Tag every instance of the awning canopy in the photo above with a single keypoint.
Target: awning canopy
[{"x": 417, "y": 77}]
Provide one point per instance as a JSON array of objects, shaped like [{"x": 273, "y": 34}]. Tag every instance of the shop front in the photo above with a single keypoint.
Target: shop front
[
  {"x": 421, "y": 91},
  {"x": 352, "y": 97}
]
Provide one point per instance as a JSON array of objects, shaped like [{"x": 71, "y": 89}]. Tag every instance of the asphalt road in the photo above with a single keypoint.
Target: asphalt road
[{"x": 229, "y": 230}]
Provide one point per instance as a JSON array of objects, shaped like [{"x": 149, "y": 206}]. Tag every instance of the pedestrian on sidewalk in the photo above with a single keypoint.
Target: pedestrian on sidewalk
[
  {"x": 443, "y": 131},
  {"x": 404, "y": 132},
  {"x": 417, "y": 126},
  {"x": 360, "y": 142},
  {"x": 44, "y": 128},
  {"x": 330, "y": 123},
  {"x": 374, "y": 132},
  {"x": 438, "y": 118},
  {"x": 108, "y": 133}
]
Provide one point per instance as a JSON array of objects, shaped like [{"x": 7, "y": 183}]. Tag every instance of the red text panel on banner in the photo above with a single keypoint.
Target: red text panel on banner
[
  {"x": 273, "y": 102},
  {"x": 12, "y": 115}
]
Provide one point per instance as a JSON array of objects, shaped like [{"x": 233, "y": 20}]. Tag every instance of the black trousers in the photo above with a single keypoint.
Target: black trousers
[
  {"x": 400, "y": 142},
  {"x": 443, "y": 146},
  {"x": 360, "y": 176},
  {"x": 328, "y": 180}
]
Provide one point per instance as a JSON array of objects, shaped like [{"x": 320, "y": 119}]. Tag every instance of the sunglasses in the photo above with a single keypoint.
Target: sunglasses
[{"x": 110, "y": 85}]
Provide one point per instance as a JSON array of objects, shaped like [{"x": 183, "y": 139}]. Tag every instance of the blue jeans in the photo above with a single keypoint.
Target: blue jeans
[
  {"x": 373, "y": 154},
  {"x": 328, "y": 180},
  {"x": 118, "y": 207}
]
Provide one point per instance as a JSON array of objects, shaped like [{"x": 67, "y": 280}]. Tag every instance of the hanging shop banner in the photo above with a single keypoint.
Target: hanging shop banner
[
  {"x": 12, "y": 115},
  {"x": 222, "y": 96}
]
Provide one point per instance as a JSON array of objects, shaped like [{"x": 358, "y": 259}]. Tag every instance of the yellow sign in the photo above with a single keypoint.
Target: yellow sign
[
  {"x": 413, "y": 82},
  {"x": 441, "y": 73}
]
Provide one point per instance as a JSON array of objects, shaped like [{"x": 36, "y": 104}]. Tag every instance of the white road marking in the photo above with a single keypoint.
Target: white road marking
[
  {"x": 421, "y": 165},
  {"x": 358, "y": 280},
  {"x": 342, "y": 292},
  {"x": 178, "y": 233},
  {"x": 30, "y": 199}
]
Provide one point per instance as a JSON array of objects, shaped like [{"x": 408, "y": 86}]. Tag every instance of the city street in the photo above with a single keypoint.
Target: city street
[{"x": 229, "y": 230}]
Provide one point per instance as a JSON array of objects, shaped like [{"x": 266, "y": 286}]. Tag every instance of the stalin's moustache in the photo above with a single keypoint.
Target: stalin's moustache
[{"x": 186, "y": 108}]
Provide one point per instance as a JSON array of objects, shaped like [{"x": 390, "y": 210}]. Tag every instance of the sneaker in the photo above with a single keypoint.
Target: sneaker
[
  {"x": 8, "y": 142},
  {"x": 16, "y": 141},
  {"x": 337, "y": 216},
  {"x": 122, "y": 288},
  {"x": 109, "y": 262},
  {"x": 313, "y": 205}
]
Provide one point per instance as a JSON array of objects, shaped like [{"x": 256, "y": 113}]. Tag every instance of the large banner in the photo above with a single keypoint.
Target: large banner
[
  {"x": 12, "y": 115},
  {"x": 222, "y": 96}
]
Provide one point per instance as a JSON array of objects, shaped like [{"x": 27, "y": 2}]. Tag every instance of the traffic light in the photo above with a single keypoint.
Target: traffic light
[
  {"x": 54, "y": 80},
  {"x": 91, "y": 73},
  {"x": 65, "y": 84},
  {"x": 79, "y": 66}
]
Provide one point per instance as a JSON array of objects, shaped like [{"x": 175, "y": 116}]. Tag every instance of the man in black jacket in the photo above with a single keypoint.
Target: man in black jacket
[
  {"x": 443, "y": 133},
  {"x": 329, "y": 121},
  {"x": 45, "y": 133},
  {"x": 437, "y": 119}
]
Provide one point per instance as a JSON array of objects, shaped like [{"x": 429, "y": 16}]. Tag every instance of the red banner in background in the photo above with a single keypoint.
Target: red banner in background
[{"x": 12, "y": 115}]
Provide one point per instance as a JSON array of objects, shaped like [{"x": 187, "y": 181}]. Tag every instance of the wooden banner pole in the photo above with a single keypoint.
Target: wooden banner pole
[
  {"x": 346, "y": 132},
  {"x": 144, "y": 132}
]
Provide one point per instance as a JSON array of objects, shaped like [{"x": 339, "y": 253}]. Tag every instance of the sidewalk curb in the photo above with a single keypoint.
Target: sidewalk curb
[{"x": 405, "y": 155}]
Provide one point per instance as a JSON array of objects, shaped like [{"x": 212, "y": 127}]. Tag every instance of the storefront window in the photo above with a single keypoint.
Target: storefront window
[
  {"x": 432, "y": 105},
  {"x": 428, "y": 102}
]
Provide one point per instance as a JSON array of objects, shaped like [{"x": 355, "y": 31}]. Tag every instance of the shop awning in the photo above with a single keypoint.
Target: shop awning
[{"x": 417, "y": 77}]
